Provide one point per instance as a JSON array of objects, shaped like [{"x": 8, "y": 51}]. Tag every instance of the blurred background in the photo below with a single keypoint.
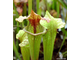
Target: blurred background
[{"x": 57, "y": 8}]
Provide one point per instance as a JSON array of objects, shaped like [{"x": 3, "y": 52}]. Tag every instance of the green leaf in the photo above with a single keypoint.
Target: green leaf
[
  {"x": 33, "y": 28},
  {"x": 15, "y": 50},
  {"x": 56, "y": 22},
  {"x": 19, "y": 34},
  {"x": 24, "y": 45},
  {"x": 34, "y": 41},
  {"x": 51, "y": 24}
]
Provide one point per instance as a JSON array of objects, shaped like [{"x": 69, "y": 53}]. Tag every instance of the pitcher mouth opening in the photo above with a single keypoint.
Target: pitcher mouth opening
[{"x": 44, "y": 31}]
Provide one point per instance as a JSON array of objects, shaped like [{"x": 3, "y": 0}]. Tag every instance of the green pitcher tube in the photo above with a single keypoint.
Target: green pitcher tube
[
  {"x": 51, "y": 24},
  {"x": 34, "y": 31},
  {"x": 24, "y": 44}
]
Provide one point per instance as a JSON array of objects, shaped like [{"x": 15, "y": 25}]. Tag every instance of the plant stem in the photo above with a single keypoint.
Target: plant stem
[
  {"x": 24, "y": 13},
  {"x": 39, "y": 12},
  {"x": 22, "y": 24},
  {"x": 57, "y": 9},
  {"x": 48, "y": 6},
  {"x": 53, "y": 5},
  {"x": 38, "y": 9},
  {"x": 17, "y": 15},
  {"x": 48, "y": 44},
  {"x": 24, "y": 9},
  {"x": 61, "y": 3},
  {"x": 14, "y": 20},
  {"x": 15, "y": 50},
  {"x": 61, "y": 45},
  {"x": 29, "y": 6},
  {"x": 15, "y": 10},
  {"x": 64, "y": 52},
  {"x": 34, "y": 5},
  {"x": 37, "y": 5}
]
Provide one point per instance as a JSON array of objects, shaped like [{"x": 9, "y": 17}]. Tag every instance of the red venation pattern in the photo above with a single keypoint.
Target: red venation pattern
[{"x": 34, "y": 19}]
